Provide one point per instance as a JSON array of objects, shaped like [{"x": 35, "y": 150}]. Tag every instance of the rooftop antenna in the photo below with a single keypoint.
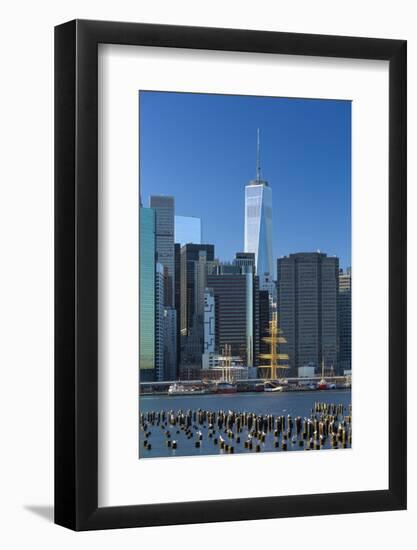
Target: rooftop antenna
[{"x": 258, "y": 158}]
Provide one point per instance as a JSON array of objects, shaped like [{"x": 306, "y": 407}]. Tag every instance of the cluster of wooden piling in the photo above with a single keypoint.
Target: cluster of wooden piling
[{"x": 329, "y": 425}]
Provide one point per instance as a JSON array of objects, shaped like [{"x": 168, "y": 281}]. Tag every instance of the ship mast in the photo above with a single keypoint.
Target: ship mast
[
  {"x": 275, "y": 339},
  {"x": 226, "y": 363}
]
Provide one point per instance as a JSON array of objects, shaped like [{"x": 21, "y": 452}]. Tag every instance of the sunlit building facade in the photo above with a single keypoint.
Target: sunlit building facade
[
  {"x": 147, "y": 294},
  {"x": 159, "y": 323},
  {"x": 170, "y": 344},
  {"x": 258, "y": 227},
  {"x": 164, "y": 241},
  {"x": 345, "y": 320}
]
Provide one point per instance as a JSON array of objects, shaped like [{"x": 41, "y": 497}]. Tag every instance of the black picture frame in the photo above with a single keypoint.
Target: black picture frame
[{"x": 76, "y": 272}]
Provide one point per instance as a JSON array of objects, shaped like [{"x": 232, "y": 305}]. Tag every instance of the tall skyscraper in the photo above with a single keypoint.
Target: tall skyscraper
[
  {"x": 258, "y": 226},
  {"x": 147, "y": 294},
  {"x": 195, "y": 259},
  {"x": 170, "y": 344},
  {"x": 308, "y": 286},
  {"x": 345, "y": 320},
  {"x": 187, "y": 230},
  {"x": 164, "y": 233},
  {"x": 190, "y": 254},
  {"x": 236, "y": 314},
  {"x": 202, "y": 268},
  {"x": 177, "y": 296},
  {"x": 159, "y": 322}
]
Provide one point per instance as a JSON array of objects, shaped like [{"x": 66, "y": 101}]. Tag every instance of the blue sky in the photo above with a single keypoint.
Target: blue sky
[{"x": 201, "y": 149}]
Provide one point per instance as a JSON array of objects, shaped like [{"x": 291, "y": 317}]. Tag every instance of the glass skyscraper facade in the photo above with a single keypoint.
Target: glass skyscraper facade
[
  {"x": 258, "y": 226},
  {"x": 164, "y": 232},
  {"x": 147, "y": 293},
  {"x": 160, "y": 280},
  {"x": 236, "y": 314}
]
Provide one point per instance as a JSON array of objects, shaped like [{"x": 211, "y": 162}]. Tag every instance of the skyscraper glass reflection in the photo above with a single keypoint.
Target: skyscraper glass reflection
[
  {"x": 147, "y": 293},
  {"x": 258, "y": 226},
  {"x": 164, "y": 241}
]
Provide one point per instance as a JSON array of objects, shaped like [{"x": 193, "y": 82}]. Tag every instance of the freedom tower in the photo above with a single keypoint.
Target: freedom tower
[{"x": 258, "y": 225}]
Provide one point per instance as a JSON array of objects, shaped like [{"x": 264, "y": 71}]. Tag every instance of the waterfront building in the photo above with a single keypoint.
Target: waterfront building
[
  {"x": 307, "y": 371},
  {"x": 170, "y": 344},
  {"x": 308, "y": 285},
  {"x": 209, "y": 321},
  {"x": 345, "y": 320},
  {"x": 237, "y": 315},
  {"x": 159, "y": 322},
  {"x": 147, "y": 294},
  {"x": 164, "y": 239},
  {"x": 245, "y": 261},
  {"x": 258, "y": 226},
  {"x": 187, "y": 230},
  {"x": 177, "y": 295}
]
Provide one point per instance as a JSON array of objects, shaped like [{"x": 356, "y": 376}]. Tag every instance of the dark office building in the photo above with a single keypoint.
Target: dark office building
[
  {"x": 245, "y": 261},
  {"x": 308, "y": 287},
  {"x": 177, "y": 295},
  {"x": 228, "y": 269},
  {"x": 345, "y": 320},
  {"x": 190, "y": 254},
  {"x": 264, "y": 347},
  {"x": 237, "y": 314}
]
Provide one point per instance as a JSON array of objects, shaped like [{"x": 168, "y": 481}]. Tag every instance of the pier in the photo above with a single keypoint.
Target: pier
[
  {"x": 284, "y": 422},
  {"x": 246, "y": 385}
]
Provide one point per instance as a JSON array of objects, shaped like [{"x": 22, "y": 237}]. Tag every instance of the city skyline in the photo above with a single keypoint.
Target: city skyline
[
  {"x": 198, "y": 271},
  {"x": 233, "y": 259},
  {"x": 186, "y": 163}
]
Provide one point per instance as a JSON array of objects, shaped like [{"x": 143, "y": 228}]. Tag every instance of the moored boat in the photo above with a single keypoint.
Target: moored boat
[
  {"x": 181, "y": 389},
  {"x": 322, "y": 385},
  {"x": 272, "y": 387},
  {"x": 226, "y": 387}
]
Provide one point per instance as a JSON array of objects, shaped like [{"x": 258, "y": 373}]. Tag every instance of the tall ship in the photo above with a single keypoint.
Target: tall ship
[
  {"x": 323, "y": 384},
  {"x": 273, "y": 370},
  {"x": 226, "y": 384}
]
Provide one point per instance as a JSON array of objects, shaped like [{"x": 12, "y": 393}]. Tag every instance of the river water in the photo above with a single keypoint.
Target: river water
[{"x": 275, "y": 403}]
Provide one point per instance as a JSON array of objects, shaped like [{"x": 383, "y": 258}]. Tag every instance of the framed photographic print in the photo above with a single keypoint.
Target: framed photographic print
[{"x": 230, "y": 275}]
